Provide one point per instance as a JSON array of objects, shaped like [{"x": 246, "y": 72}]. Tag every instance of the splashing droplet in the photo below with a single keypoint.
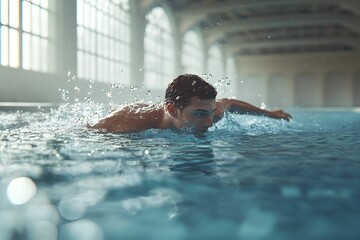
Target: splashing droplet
[
  {"x": 148, "y": 92},
  {"x": 77, "y": 88},
  {"x": 64, "y": 94},
  {"x": 263, "y": 105},
  {"x": 109, "y": 94},
  {"x": 133, "y": 88}
]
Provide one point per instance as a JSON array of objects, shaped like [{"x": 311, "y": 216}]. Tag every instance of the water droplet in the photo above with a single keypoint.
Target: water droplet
[
  {"x": 73, "y": 78},
  {"x": 140, "y": 69},
  {"x": 148, "y": 92},
  {"x": 64, "y": 94},
  {"x": 77, "y": 89},
  {"x": 109, "y": 94},
  {"x": 68, "y": 73},
  {"x": 133, "y": 88},
  {"x": 146, "y": 152},
  {"x": 269, "y": 36},
  {"x": 263, "y": 105}
]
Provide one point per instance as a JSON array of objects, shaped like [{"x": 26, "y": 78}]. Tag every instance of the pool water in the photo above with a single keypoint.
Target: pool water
[{"x": 248, "y": 178}]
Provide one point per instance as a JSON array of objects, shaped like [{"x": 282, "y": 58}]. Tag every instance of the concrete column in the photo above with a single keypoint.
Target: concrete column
[
  {"x": 66, "y": 37},
  {"x": 137, "y": 43}
]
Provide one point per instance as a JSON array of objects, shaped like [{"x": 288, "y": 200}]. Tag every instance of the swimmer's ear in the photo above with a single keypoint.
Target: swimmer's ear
[{"x": 172, "y": 110}]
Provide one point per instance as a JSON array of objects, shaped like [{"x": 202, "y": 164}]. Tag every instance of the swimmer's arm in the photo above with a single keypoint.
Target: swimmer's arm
[{"x": 241, "y": 107}]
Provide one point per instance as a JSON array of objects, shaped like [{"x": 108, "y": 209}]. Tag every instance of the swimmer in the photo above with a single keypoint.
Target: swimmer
[{"x": 190, "y": 106}]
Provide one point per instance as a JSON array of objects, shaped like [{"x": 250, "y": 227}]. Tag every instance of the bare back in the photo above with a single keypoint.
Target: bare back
[{"x": 132, "y": 118}]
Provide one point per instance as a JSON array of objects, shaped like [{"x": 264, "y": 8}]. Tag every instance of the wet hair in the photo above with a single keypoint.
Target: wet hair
[{"x": 186, "y": 86}]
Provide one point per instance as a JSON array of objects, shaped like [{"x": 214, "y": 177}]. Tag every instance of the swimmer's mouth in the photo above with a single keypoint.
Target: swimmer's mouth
[{"x": 202, "y": 130}]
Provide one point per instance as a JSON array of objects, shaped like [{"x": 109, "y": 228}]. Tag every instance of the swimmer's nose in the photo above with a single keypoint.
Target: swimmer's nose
[{"x": 208, "y": 122}]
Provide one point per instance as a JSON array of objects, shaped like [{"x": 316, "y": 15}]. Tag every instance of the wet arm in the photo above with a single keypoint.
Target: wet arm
[{"x": 241, "y": 107}]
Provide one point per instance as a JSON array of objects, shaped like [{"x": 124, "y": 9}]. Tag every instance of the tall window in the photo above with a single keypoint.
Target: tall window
[
  {"x": 215, "y": 63},
  {"x": 24, "y": 35},
  {"x": 103, "y": 30},
  {"x": 159, "y": 65},
  {"x": 192, "y": 55}
]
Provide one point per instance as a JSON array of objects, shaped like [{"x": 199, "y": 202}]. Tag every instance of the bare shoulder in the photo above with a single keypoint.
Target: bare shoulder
[
  {"x": 132, "y": 118},
  {"x": 138, "y": 110}
]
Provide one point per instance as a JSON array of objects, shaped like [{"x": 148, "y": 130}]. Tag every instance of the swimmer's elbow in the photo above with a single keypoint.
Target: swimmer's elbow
[{"x": 101, "y": 125}]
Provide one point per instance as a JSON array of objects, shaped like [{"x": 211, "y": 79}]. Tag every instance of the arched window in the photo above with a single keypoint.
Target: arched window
[
  {"x": 103, "y": 31},
  {"x": 159, "y": 50},
  {"x": 24, "y": 34},
  {"x": 215, "y": 65},
  {"x": 192, "y": 55}
]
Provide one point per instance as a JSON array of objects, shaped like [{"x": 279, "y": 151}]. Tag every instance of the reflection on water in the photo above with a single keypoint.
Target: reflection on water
[
  {"x": 21, "y": 190},
  {"x": 248, "y": 178}
]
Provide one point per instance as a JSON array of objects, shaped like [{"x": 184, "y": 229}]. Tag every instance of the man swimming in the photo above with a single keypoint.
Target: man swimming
[{"x": 190, "y": 107}]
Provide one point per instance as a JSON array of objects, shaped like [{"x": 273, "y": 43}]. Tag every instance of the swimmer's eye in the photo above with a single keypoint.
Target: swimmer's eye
[{"x": 201, "y": 114}]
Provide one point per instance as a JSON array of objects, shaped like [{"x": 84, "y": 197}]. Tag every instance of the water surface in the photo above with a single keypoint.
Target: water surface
[{"x": 248, "y": 178}]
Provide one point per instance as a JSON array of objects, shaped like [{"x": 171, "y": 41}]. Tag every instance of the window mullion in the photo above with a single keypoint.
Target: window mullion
[{"x": 20, "y": 34}]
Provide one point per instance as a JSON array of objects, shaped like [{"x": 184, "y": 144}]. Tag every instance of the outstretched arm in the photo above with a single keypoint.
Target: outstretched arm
[{"x": 241, "y": 107}]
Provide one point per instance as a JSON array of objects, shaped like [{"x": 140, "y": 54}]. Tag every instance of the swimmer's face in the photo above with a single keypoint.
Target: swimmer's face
[{"x": 197, "y": 116}]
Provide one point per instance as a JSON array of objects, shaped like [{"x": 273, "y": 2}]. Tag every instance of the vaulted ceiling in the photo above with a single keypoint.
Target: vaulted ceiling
[{"x": 263, "y": 27}]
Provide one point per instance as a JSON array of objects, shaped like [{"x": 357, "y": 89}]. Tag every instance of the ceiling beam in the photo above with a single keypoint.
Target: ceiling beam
[
  {"x": 221, "y": 31},
  {"x": 217, "y": 7},
  {"x": 236, "y": 47}
]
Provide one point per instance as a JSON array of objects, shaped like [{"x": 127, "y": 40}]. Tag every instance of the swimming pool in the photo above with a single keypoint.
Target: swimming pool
[{"x": 249, "y": 178}]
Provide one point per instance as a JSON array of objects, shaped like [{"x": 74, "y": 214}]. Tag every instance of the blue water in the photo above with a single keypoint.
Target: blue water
[{"x": 248, "y": 178}]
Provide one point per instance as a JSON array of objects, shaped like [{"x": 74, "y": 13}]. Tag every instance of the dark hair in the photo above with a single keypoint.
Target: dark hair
[{"x": 186, "y": 86}]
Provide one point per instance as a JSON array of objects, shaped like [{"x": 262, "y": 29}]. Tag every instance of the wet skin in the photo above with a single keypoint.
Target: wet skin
[{"x": 197, "y": 117}]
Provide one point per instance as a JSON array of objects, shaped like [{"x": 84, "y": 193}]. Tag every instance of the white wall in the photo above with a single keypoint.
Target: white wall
[{"x": 305, "y": 80}]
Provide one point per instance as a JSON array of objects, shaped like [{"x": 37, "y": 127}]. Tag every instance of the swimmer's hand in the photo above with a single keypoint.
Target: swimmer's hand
[{"x": 279, "y": 114}]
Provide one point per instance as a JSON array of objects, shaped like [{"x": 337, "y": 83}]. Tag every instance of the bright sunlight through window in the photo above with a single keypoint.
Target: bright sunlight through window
[
  {"x": 192, "y": 57},
  {"x": 24, "y": 34},
  {"x": 159, "y": 50},
  {"x": 103, "y": 31}
]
